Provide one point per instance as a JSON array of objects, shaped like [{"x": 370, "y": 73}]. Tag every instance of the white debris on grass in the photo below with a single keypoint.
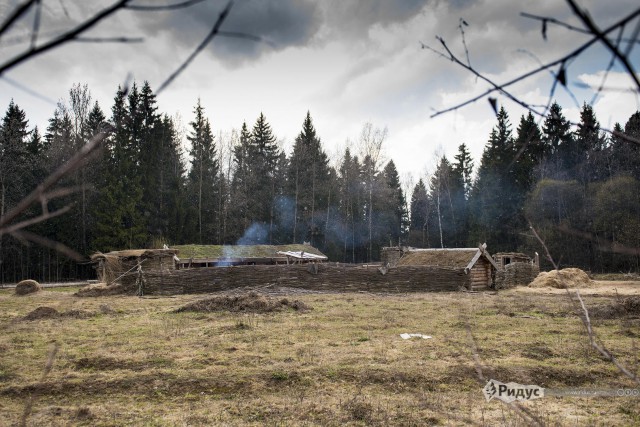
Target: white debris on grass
[{"x": 406, "y": 336}]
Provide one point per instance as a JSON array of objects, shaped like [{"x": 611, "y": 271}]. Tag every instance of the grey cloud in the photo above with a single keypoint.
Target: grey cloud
[
  {"x": 283, "y": 23},
  {"x": 355, "y": 17}
]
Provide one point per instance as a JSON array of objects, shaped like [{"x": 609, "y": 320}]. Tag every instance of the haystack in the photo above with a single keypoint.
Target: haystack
[
  {"x": 561, "y": 279},
  {"x": 27, "y": 287}
]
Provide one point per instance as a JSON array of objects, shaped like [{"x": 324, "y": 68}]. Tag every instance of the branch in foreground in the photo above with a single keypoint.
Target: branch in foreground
[
  {"x": 601, "y": 349},
  {"x": 43, "y": 191},
  {"x": 501, "y": 88},
  {"x": 602, "y": 245}
]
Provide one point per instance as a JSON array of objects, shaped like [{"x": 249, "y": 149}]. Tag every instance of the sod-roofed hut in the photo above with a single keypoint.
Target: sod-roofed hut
[
  {"x": 191, "y": 256},
  {"x": 121, "y": 266},
  {"x": 477, "y": 263}
]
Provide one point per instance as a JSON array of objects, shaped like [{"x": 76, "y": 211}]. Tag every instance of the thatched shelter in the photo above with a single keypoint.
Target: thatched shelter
[
  {"x": 121, "y": 266},
  {"x": 192, "y": 256},
  {"x": 477, "y": 263}
]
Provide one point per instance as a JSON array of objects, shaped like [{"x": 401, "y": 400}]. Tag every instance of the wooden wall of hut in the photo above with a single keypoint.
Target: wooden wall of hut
[
  {"x": 320, "y": 277},
  {"x": 480, "y": 275}
]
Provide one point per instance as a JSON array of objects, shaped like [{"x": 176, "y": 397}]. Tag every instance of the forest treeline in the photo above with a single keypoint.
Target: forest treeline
[{"x": 578, "y": 186}]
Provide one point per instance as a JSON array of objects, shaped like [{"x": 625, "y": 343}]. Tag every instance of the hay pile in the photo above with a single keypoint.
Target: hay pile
[
  {"x": 561, "y": 279},
  {"x": 27, "y": 287},
  {"x": 100, "y": 290},
  {"x": 251, "y": 302}
]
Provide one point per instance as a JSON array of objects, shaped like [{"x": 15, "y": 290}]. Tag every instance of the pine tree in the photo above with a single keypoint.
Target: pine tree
[
  {"x": 581, "y": 156},
  {"x": 393, "y": 220},
  {"x": 494, "y": 211},
  {"x": 632, "y": 130},
  {"x": 119, "y": 222},
  {"x": 419, "y": 231},
  {"x": 308, "y": 179},
  {"x": 203, "y": 178},
  {"x": 262, "y": 160},
  {"x": 556, "y": 133},
  {"x": 463, "y": 168},
  {"x": 241, "y": 185},
  {"x": 529, "y": 152},
  {"x": 351, "y": 194}
]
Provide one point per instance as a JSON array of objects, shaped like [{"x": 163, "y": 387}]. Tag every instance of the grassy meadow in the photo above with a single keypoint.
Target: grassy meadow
[{"x": 120, "y": 360}]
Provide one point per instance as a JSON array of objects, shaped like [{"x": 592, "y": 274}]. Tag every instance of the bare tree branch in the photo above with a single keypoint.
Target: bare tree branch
[
  {"x": 214, "y": 31},
  {"x": 68, "y": 36},
  {"x": 162, "y": 8},
  {"x": 593, "y": 28},
  {"x": 601, "y": 349},
  {"x": 17, "y": 13},
  {"x": 109, "y": 39},
  {"x": 28, "y": 236},
  {"x": 77, "y": 161},
  {"x": 501, "y": 88},
  {"x": 602, "y": 245}
]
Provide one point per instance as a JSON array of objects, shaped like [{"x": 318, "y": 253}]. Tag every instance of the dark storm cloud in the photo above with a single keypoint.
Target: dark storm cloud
[{"x": 281, "y": 23}]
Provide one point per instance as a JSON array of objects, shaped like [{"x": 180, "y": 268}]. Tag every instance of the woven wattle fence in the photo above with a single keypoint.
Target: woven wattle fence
[
  {"x": 318, "y": 277},
  {"x": 516, "y": 274}
]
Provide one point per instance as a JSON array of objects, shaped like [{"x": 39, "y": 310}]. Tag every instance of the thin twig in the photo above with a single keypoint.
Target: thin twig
[
  {"x": 17, "y": 13},
  {"x": 69, "y": 35},
  {"x": 36, "y": 24},
  {"x": 601, "y": 349},
  {"x": 624, "y": 60},
  {"x": 563, "y": 60},
  {"x": 109, "y": 39},
  {"x": 47, "y": 369},
  {"x": 27, "y": 236},
  {"x": 77, "y": 161},
  {"x": 214, "y": 31},
  {"x": 162, "y": 8}
]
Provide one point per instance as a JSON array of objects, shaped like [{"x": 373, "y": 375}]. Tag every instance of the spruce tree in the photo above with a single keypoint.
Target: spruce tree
[
  {"x": 494, "y": 208},
  {"x": 119, "y": 222},
  {"x": 262, "y": 160},
  {"x": 556, "y": 133},
  {"x": 241, "y": 185},
  {"x": 203, "y": 178},
  {"x": 308, "y": 179},
  {"x": 419, "y": 211}
]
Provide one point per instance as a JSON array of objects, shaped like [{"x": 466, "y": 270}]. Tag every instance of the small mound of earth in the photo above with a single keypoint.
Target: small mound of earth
[
  {"x": 629, "y": 306},
  {"x": 561, "y": 279},
  {"x": 52, "y": 313},
  {"x": 26, "y": 287},
  {"x": 100, "y": 290},
  {"x": 251, "y": 302},
  {"x": 42, "y": 313}
]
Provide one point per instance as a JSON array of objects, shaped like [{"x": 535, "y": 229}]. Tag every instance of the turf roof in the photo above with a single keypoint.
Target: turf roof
[{"x": 239, "y": 251}]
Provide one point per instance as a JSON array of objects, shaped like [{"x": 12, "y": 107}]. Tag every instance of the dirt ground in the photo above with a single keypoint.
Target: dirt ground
[{"x": 122, "y": 360}]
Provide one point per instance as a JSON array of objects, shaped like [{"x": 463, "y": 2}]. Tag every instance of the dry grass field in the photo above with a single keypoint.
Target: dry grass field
[{"x": 117, "y": 360}]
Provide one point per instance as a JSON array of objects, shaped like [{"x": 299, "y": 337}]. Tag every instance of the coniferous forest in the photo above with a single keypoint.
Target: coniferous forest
[{"x": 576, "y": 185}]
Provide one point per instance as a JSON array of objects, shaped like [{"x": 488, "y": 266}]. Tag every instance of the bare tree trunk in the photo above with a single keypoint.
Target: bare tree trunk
[
  {"x": 295, "y": 208},
  {"x": 440, "y": 220}
]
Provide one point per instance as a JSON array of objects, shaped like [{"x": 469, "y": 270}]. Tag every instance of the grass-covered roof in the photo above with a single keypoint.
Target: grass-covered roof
[{"x": 239, "y": 251}]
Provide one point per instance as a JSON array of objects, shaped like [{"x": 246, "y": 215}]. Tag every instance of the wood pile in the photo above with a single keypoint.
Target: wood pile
[
  {"x": 324, "y": 277},
  {"x": 516, "y": 274}
]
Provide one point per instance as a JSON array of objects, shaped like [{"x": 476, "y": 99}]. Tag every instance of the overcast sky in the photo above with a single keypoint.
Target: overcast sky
[{"x": 348, "y": 62}]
